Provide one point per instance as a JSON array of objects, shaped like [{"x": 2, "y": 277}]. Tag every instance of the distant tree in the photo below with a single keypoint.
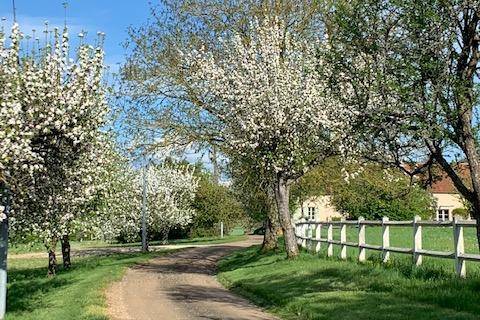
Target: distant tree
[{"x": 214, "y": 203}]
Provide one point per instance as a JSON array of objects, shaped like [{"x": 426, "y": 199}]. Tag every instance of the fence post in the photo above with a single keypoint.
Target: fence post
[
  {"x": 460, "y": 267},
  {"x": 343, "y": 239},
  {"x": 417, "y": 241},
  {"x": 329, "y": 238},
  {"x": 318, "y": 235},
  {"x": 385, "y": 240},
  {"x": 309, "y": 236},
  {"x": 304, "y": 235},
  {"x": 297, "y": 233},
  {"x": 361, "y": 239}
]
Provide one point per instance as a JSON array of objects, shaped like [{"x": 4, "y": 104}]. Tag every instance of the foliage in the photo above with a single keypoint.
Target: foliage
[
  {"x": 114, "y": 211},
  {"x": 409, "y": 71},
  {"x": 373, "y": 192},
  {"x": 461, "y": 212},
  {"x": 215, "y": 203},
  {"x": 267, "y": 97},
  {"x": 170, "y": 196},
  {"x": 53, "y": 108}
]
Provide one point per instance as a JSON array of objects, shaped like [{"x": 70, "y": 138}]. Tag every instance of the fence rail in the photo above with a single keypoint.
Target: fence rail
[{"x": 309, "y": 236}]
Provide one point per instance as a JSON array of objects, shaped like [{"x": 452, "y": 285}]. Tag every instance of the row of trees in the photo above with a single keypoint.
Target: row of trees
[
  {"x": 61, "y": 172},
  {"x": 280, "y": 86}
]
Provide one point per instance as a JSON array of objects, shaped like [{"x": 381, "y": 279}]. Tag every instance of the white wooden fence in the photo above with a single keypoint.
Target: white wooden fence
[{"x": 309, "y": 236}]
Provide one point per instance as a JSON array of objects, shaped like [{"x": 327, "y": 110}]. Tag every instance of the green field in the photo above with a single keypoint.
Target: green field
[
  {"x": 317, "y": 287},
  {"x": 433, "y": 238}
]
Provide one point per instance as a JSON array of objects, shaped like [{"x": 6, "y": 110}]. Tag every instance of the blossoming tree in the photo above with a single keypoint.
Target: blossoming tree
[
  {"x": 267, "y": 92},
  {"x": 54, "y": 108},
  {"x": 170, "y": 192}
]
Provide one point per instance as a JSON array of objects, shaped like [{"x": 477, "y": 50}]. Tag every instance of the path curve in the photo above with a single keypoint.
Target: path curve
[{"x": 181, "y": 286}]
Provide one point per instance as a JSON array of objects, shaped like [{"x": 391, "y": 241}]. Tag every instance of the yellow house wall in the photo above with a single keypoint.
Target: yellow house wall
[
  {"x": 323, "y": 209},
  {"x": 448, "y": 201}
]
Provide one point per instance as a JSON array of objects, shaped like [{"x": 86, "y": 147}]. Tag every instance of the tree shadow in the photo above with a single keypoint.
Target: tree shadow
[{"x": 26, "y": 287}]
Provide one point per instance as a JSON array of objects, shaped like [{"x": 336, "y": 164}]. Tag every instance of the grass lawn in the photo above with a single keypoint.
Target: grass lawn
[
  {"x": 316, "y": 287},
  {"x": 433, "y": 238},
  {"x": 74, "y": 294}
]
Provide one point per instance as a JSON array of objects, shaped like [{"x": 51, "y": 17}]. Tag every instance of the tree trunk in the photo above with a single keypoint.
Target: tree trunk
[
  {"x": 52, "y": 262},
  {"x": 66, "y": 252},
  {"x": 282, "y": 197},
  {"x": 214, "y": 161},
  {"x": 473, "y": 158},
  {"x": 164, "y": 234},
  {"x": 270, "y": 239}
]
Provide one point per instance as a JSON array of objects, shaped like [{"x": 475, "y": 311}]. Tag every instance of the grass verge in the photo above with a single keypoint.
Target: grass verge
[
  {"x": 316, "y": 287},
  {"x": 74, "y": 294}
]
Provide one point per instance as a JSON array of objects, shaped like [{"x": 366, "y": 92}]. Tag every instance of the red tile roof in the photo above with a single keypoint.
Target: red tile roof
[{"x": 443, "y": 183}]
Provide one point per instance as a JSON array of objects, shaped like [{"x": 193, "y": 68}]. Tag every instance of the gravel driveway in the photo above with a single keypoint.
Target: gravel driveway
[{"x": 181, "y": 285}]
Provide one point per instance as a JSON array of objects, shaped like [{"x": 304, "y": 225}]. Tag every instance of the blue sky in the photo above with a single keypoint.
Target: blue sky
[
  {"x": 113, "y": 17},
  {"x": 110, "y": 16}
]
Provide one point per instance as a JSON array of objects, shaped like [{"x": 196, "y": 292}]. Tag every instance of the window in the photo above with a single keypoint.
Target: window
[
  {"x": 442, "y": 214},
  {"x": 311, "y": 213}
]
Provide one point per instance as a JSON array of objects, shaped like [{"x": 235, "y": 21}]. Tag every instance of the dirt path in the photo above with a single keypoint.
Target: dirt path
[{"x": 181, "y": 286}]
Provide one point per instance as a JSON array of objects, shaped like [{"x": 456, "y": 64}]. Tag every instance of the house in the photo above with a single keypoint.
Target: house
[
  {"x": 446, "y": 195},
  {"x": 443, "y": 190},
  {"x": 316, "y": 208}
]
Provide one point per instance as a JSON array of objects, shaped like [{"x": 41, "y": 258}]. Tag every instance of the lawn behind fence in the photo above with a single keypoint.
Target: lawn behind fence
[{"x": 317, "y": 287}]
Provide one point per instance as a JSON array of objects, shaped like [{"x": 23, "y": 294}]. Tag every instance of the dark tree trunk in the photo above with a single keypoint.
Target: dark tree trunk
[
  {"x": 66, "y": 252},
  {"x": 282, "y": 195},
  {"x": 270, "y": 239},
  {"x": 52, "y": 262},
  {"x": 164, "y": 234}
]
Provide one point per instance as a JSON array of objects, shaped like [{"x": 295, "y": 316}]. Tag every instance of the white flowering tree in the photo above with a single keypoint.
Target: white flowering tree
[
  {"x": 51, "y": 141},
  {"x": 267, "y": 92},
  {"x": 114, "y": 211},
  {"x": 170, "y": 193}
]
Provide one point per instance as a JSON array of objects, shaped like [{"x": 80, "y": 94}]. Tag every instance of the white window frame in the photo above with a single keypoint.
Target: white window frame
[
  {"x": 311, "y": 213},
  {"x": 443, "y": 214}
]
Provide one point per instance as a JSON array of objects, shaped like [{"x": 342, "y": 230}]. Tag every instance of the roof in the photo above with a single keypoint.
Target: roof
[{"x": 444, "y": 184}]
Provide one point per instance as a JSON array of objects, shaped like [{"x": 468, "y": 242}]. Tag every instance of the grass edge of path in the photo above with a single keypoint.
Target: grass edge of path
[{"x": 316, "y": 287}]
